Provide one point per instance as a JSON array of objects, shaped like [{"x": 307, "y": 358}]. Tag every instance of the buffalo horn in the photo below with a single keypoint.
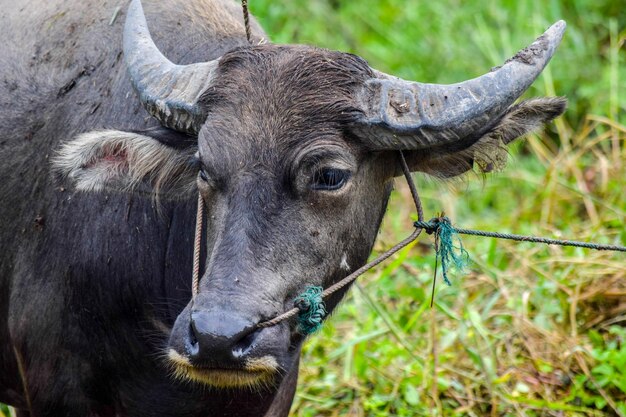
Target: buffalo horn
[
  {"x": 169, "y": 92},
  {"x": 399, "y": 114}
]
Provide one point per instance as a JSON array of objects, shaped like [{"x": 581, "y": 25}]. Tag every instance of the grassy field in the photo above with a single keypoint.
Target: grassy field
[{"x": 529, "y": 330}]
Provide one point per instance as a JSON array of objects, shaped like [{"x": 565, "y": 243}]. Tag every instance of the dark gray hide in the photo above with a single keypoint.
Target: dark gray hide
[{"x": 95, "y": 287}]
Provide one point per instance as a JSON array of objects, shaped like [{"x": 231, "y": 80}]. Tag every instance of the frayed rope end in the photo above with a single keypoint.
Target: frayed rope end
[
  {"x": 448, "y": 252},
  {"x": 445, "y": 236}
]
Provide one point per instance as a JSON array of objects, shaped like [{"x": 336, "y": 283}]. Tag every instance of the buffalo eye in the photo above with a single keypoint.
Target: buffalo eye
[
  {"x": 330, "y": 179},
  {"x": 203, "y": 175}
]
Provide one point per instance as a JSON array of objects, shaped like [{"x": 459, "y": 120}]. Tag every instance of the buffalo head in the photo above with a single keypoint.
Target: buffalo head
[{"x": 294, "y": 149}]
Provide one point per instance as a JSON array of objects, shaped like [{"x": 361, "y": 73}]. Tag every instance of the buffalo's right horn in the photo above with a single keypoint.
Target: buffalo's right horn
[
  {"x": 169, "y": 92},
  {"x": 399, "y": 114}
]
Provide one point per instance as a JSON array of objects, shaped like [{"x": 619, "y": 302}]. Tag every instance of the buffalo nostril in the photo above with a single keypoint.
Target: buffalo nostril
[
  {"x": 246, "y": 344},
  {"x": 193, "y": 346}
]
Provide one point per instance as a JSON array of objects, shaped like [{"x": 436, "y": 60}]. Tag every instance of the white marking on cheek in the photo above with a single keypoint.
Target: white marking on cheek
[{"x": 344, "y": 263}]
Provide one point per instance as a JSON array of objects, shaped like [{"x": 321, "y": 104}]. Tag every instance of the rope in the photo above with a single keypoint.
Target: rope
[
  {"x": 246, "y": 18},
  {"x": 412, "y": 187},
  {"x": 347, "y": 280},
  {"x": 302, "y": 312},
  {"x": 309, "y": 306},
  {"x": 446, "y": 250},
  {"x": 195, "y": 280},
  {"x": 433, "y": 225}
]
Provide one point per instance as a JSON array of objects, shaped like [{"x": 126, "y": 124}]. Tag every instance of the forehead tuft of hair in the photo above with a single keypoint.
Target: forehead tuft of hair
[{"x": 303, "y": 83}]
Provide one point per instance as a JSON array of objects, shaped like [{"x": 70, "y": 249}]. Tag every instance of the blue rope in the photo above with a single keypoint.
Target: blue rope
[
  {"x": 446, "y": 249},
  {"x": 312, "y": 310}
]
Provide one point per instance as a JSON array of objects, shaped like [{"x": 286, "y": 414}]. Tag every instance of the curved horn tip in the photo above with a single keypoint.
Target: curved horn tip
[
  {"x": 410, "y": 115},
  {"x": 135, "y": 13},
  {"x": 559, "y": 25},
  {"x": 134, "y": 4},
  {"x": 556, "y": 31},
  {"x": 542, "y": 49}
]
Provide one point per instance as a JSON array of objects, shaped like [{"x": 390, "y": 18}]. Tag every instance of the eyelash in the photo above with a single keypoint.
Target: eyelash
[{"x": 330, "y": 179}]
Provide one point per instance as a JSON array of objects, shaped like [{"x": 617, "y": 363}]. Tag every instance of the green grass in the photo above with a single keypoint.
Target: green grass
[{"x": 530, "y": 330}]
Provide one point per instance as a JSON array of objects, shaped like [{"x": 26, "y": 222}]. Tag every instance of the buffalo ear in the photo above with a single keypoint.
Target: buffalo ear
[
  {"x": 130, "y": 162},
  {"x": 489, "y": 152}
]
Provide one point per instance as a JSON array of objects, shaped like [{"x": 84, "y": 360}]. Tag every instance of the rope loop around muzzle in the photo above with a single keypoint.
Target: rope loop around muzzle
[
  {"x": 309, "y": 306},
  {"x": 300, "y": 308}
]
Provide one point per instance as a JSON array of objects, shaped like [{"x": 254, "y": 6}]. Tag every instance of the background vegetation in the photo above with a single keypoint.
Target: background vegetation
[{"x": 531, "y": 330}]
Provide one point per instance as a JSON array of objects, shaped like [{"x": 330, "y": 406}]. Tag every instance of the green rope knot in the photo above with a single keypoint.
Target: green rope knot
[
  {"x": 444, "y": 244},
  {"x": 312, "y": 310}
]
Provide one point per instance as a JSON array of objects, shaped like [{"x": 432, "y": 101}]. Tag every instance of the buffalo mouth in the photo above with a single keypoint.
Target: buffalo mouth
[{"x": 254, "y": 373}]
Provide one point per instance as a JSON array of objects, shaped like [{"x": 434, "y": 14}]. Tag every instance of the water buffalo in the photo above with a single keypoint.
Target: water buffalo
[{"x": 293, "y": 149}]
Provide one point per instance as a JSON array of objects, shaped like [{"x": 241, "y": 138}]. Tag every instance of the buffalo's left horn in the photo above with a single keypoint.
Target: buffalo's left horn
[
  {"x": 169, "y": 92},
  {"x": 399, "y": 114}
]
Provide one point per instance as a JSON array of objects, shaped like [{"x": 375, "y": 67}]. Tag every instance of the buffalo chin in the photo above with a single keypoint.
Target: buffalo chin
[{"x": 257, "y": 373}]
